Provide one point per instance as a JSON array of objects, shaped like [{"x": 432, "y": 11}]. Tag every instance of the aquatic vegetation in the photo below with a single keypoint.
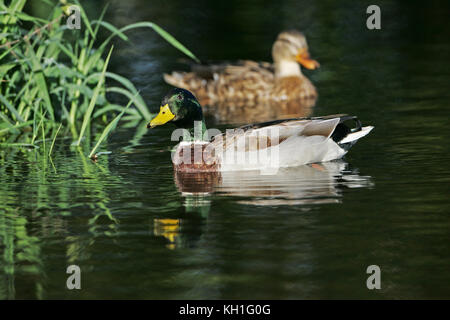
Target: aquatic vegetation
[
  {"x": 54, "y": 77},
  {"x": 49, "y": 206},
  {"x": 54, "y": 87}
]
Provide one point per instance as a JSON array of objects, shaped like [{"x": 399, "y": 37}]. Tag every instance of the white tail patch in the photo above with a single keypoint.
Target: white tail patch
[{"x": 356, "y": 135}]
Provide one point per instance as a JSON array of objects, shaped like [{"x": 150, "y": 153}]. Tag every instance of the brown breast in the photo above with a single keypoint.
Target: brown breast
[
  {"x": 195, "y": 158},
  {"x": 289, "y": 88}
]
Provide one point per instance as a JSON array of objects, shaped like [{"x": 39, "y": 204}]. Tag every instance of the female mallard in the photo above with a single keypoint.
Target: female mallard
[
  {"x": 262, "y": 146},
  {"x": 254, "y": 81}
]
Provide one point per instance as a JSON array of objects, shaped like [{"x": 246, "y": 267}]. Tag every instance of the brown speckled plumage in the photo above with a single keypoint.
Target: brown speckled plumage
[
  {"x": 253, "y": 82},
  {"x": 240, "y": 112}
]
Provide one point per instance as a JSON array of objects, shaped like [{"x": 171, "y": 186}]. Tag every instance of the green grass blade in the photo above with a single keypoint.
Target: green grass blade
[
  {"x": 111, "y": 126},
  {"x": 115, "y": 108},
  {"x": 4, "y": 68},
  {"x": 102, "y": 15},
  {"x": 111, "y": 28},
  {"x": 39, "y": 78},
  {"x": 13, "y": 128},
  {"x": 142, "y": 106},
  {"x": 13, "y": 110},
  {"x": 53, "y": 142},
  {"x": 85, "y": 19},
  {"x": 87, "y": 115},
  {"x": 29, "y": 145},
  {"x": 8, "y": 123},
  {"x": 137, "y": 102},
  {"x": 164, "y": 34}
]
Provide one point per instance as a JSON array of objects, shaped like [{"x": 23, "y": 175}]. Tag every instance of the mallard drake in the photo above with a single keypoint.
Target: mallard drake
[
  {"x": 263, "y": 146},
  {"x": 254, "y": 81}
]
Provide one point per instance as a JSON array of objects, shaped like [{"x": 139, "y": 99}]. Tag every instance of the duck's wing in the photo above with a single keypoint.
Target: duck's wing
[
  {"x": 243, "y": 80},
  {"x": 335, "y": 127}
]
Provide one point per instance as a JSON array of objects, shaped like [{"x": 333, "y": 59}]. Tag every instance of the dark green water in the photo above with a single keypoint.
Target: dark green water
[{"x": 138, "y": 231}]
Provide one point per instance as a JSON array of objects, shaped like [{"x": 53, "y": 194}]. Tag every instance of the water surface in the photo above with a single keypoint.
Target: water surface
[{"x": 137, "y": 230}]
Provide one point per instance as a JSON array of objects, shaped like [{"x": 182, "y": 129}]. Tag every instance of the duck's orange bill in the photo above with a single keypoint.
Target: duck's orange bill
[
  {"x": 303, "y": 58},
  {"x": 164, "y": 115}
]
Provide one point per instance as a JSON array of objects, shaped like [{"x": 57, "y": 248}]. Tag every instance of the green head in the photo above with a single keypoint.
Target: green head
[{"x": 180, "y": 107}]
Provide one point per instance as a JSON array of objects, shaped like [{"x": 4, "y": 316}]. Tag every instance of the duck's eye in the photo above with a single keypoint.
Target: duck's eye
[
  {"x": 180, "y": 97},
  {"x": 163, "y": 112}
]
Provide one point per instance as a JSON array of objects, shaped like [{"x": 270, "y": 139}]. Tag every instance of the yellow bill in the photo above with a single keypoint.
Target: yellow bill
[
  {"x": 164, "y": 116},
  {"x": 303, "y": 58}
]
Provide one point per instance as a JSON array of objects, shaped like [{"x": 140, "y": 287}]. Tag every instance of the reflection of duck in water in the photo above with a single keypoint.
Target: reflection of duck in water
[
  {"x": 255, "y": 91},
  {"x": 167, "y": 228},
  {"x": 196, "y": 183},
  {"x": 263, "y": 146},
  {"x": 186, "y": 229},
  {"x": 304, "y": 185},
  {"x": 307, "y": 184}
]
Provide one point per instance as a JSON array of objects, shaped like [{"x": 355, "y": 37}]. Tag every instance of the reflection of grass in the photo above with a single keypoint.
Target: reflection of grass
[
  {"x": 37, "y": 204},
  {"x": 54, "y": 89},
  {"x": 21, "y": 252}
]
